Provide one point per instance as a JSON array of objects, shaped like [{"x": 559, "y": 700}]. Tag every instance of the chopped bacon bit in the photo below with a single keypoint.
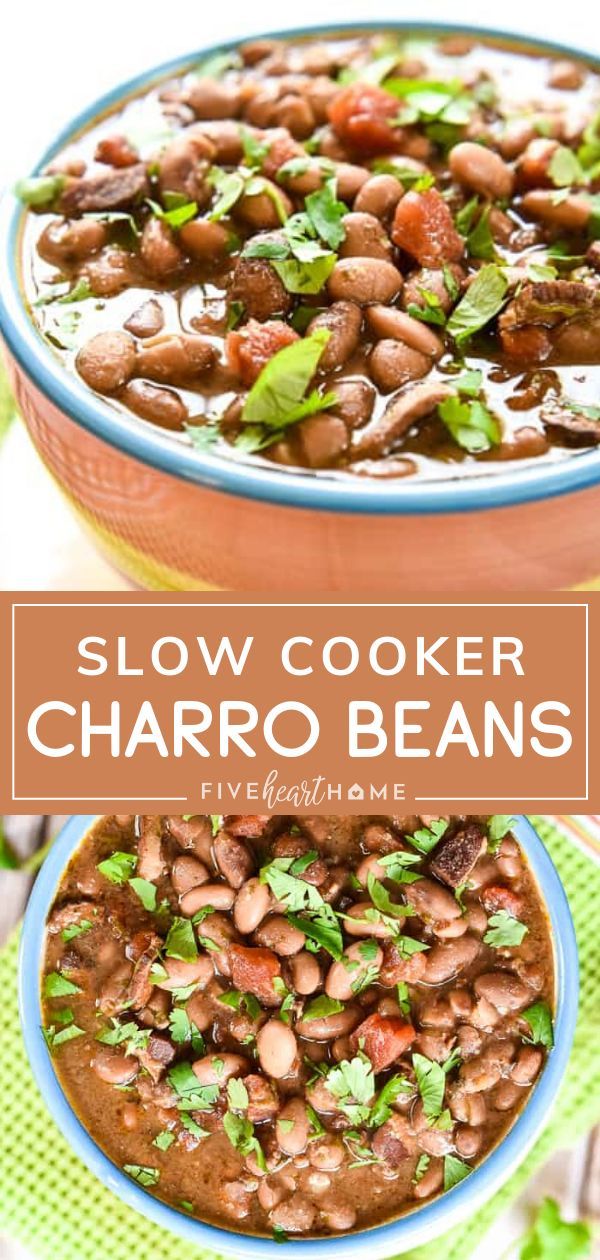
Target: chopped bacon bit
[{"x": 254, "y": 970}]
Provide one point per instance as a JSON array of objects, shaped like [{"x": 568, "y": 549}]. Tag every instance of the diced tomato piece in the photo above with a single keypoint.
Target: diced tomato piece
[
  {"x": 423, "y": 226},
  {"x": 116, "y": 151},
  {"x": 361, "y": 116},
  {"x": 248, "y": 825},
  {"x": 528, "y": 342},
  {"x": 497, "y": 897},
  {"x": 254, "y": 970},
  {"x": 249, "y": 349},
  {"x": 383, "y": 1039}
]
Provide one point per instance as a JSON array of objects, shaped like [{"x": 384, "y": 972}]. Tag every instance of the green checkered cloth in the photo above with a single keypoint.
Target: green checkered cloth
[{"x": 50, "y": 1202}]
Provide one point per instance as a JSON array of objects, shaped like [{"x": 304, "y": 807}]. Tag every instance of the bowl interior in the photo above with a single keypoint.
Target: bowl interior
[{"x": 423, "y": 1222}]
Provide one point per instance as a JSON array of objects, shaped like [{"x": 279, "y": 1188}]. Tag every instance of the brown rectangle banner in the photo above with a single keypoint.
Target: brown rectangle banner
[{"x": 209, "y": 702}]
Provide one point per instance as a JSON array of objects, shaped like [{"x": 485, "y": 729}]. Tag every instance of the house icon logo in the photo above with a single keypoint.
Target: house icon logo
[{"x": 356, "y": 793}]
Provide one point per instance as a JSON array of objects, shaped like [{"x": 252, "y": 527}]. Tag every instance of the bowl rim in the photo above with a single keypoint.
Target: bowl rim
[
  {"x": 300, "y": 488},
  {"x": 385, "y": 1239}
]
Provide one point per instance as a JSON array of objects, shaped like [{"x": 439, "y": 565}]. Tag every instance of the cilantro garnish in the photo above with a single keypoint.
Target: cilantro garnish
[
  {"x": 483, "y": 300},
  {"x": 192, "y": 1095},
  {"x": 119, "y": 867},
  {"x": 504, "y": 930},
  {"x": 142, "y": 1174},
  {"x": 539, "y": 1019},
  {"x": 181, "y": 942},
  {"x": 56, "y": 985},
  {"x": 164, "y": 1140},
  {"x": 454, "y": 1171},
  {"x": 427, "y": 837},
  {"x": 146, "y": 892}
]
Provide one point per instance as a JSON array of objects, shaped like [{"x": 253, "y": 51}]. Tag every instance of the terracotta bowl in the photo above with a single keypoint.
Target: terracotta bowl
[{"x": 171, "y": 518}]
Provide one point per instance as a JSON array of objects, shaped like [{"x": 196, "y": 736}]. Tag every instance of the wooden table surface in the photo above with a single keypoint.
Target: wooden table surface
[{"x": 572, "y": 1177}]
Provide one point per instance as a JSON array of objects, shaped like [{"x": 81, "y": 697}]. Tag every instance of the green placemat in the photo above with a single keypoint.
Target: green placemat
[{"x": 50, "y": 1201}]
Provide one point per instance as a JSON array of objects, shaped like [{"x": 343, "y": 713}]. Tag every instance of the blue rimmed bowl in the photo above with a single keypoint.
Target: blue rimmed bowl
[
  {"x": 172, "y": 518},
  {"x": 418, "y": 1226}
]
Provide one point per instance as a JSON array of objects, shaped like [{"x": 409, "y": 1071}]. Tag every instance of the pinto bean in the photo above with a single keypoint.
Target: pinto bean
[
  {"x": 205, "y": 240},
  {"x": 111, "y": 271},
  {"x": 468, "y": 1141},
  {"x": 339, "y": 1216},
  {"x": 446, "y": 960},
  {"x": 193, "y": 834},
  {"x": 183, "y": 165},
  {"x": 378, "y": 437},
  {"x": 364, "y": 237},
  {"x": 279, "y": 935},
  {"x": 379, "y": 196},
  {"x": 305, "y": 973},
  {"x": 505, "y": 991},
  {"x": 219, "y": 896},
  {"x": 357, "y": 925},
  {"x": 175, "y": 359},
  {"x": 431, "y": 1181},
  {"x": 506, "y": 1096},
  {"x": 293, "y": 1127},
  {"x": 323, "y": 439},
  {"x": 160, "y": 252},
  {"x": 481, "y": 170},
  {"x": 432, "y": 1140},
  {"x": 67, "y": 241},
  {"x": 328, "y": 1027},
  {"x": 222, "y": 138},
  {"x": 343, "y": 321},
  {"x": 326, "y": 1153},
  {"x": 566, "y": 75},
  {"x": 277, "y": 1048},
  {"x": 151, "y": 863},
  {"x": 433, "y": 902},
  {"x": 354, "y": 403},
  {"x": 364, "y": 280},
  {"x": 295, "y": 1215},
  {"x": 114, "y": 1069},
  {"x": 107, "y": 361},
  {"x": 233, "y": 859},
  {"x": 251, "y": 905},
  {"x": 527, "y": 1065},
  {"x": 147, "y": 321},
  {"x": 263, "y": 209},
  {"x": 155, "y": 403},
  {"x": 370, "y": 866},
  {"x": 215, "y": 1069},
  {"x": 211, "y": 98},
  {"x": 351, "y": 970},
  {"x": 388, "y": 322},
  {"x": 349, "y": 180},
  {"x": 572, "y": 213},
  {"x": 186, "y": 873},
  {"x": 180, "y": 974},
  {"x": 392, "y": 364}
]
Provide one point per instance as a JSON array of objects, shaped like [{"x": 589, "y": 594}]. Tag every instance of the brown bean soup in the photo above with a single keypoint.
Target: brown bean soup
[
  {"x": 298, "y": 1026},
  {"x": 366, "y": 254}
]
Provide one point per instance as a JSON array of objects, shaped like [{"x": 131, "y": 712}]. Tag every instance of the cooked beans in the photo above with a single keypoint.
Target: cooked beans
[
  {"x": 364, "y": 280},
  {"x": 277, "y": 1048},
  {"x": 219, "y": 1005},
  {"x": 288, "y": 199},
  {"x": 481, "y": 170}
]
